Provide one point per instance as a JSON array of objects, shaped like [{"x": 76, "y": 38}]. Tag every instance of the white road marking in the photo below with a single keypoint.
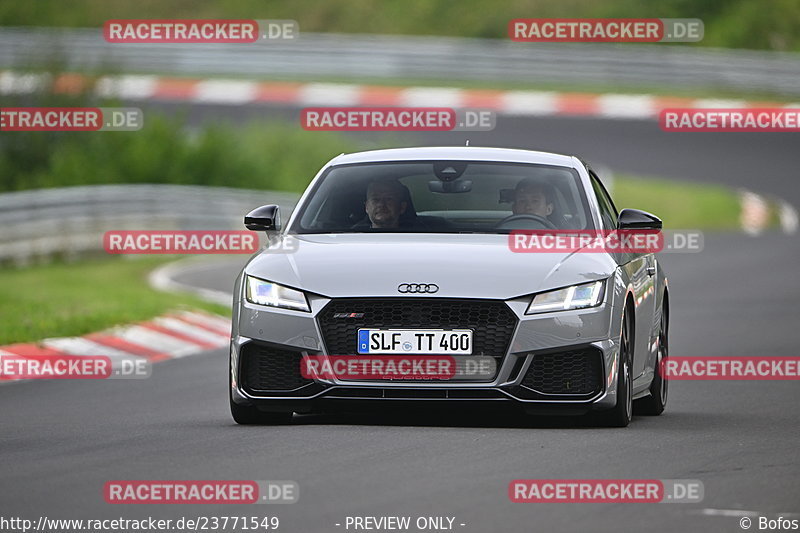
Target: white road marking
[
  {"x": 155, "y": 340},
  {"x": 225, "y": 92},
  {"x": 788, "y": 216},
  {"x": 81, "y": 346},
  {"x": 529, "y": 103},
  {"x": 626, "y": 106},
  {"x": 738, "y": 513},
  {"x": 127, "y": 87},
  {"x": 190, "y": 330},
  {"x": 432, "y": 97},
  {"x": 329, "y": 94},
  {"x": 755, "y": 213},
  {"x": 78, "y": 346},
  {"x": 212, "y": 321},
  {"x": 14, "y": 83}
]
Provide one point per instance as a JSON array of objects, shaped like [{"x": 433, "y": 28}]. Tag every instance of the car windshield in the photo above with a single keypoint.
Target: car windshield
[{"x": 444, "y": 197}]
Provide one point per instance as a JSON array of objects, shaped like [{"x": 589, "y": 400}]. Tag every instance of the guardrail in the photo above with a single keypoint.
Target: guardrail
[
  {"x": 413, "y": 57},
  {"x": 69, "y": 222}
]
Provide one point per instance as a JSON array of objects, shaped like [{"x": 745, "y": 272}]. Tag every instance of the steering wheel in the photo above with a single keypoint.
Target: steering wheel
[{"x": 542, "y": 221}]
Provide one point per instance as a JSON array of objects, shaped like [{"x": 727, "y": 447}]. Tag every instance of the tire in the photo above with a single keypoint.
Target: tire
[
  {"x": 248, "y": 415},
  {"x": 622, "y": 413},
  {"x": 655, "y": 404}
]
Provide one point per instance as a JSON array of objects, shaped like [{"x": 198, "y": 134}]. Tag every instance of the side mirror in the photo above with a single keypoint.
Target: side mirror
[
  {"x": 264, "y": 218},
  {"x": 636, "y": 219}
]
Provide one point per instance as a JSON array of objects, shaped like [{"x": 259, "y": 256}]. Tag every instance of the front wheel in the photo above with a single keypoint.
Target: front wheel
[
  {"x": 655, "y": 404},
  {"x": 622, "y": 413}
]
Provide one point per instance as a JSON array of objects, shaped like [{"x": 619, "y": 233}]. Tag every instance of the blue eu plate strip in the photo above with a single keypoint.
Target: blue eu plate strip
[{"x": 363, "y": 341}]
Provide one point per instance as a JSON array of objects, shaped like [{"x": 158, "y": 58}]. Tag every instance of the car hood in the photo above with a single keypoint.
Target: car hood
[{"x": 461, "y": 265}]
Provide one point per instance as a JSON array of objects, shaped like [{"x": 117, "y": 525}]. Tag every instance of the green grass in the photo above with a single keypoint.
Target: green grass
[
  {"x": 758, "y": 24},
  {"x": 681, "y": 205},
  {"x": 66, "y": 299}
]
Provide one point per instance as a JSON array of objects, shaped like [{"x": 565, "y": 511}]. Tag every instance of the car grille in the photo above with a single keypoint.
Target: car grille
[
  {"x": 575, "y": 372},
  {"x": 266, "y": 368},
  {"x": 492, "y": 322}
]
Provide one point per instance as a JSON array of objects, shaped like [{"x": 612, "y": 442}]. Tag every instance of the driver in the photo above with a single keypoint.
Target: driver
[
  {"x": 532, "y": 197},
  {"x": 386, "y": 202}
]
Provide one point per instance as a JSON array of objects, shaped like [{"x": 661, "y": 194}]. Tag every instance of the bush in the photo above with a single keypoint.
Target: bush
[{"x": 270, "y": 155}]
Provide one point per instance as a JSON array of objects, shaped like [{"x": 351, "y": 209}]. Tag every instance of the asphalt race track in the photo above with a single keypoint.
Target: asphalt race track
[{"x": 61, "y": 441}]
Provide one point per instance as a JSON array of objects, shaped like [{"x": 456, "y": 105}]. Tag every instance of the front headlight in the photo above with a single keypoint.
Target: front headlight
[
  {"x": 574, "y": 297},
  {"x": 258, "y": 291}
]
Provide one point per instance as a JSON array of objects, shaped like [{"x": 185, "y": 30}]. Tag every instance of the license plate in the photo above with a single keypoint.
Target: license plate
[{"x": 415, "y": 341}]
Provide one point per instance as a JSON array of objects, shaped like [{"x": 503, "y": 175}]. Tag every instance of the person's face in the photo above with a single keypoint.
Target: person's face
[
  {"x": 384, "y": 206},
  {"x": 531, "y": 201}
]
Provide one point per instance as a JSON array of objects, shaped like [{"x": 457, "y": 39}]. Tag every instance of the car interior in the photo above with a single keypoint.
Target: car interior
[{"x": 475, "y": 201}]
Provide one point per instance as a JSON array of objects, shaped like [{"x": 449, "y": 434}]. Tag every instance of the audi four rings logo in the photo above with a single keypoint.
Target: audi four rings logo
[{"x": 418, "y": 287}]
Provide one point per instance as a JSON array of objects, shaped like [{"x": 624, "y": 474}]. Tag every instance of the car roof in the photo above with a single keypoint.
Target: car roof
[{"x": 458, "y": 153}]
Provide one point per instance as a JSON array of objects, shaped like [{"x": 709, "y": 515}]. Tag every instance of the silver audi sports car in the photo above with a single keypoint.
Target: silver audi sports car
[{"x": 400, "y": 280}]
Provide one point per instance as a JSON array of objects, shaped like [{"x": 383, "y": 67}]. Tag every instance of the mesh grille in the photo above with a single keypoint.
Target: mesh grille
[
  {"x": 577, "y": 372},
  {"x": 492, "y": 322},
  {"x": 268, "y": 368}
]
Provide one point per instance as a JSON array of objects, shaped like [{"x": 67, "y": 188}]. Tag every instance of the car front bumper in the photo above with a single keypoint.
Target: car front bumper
[{"x": 563, "y": 362}]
